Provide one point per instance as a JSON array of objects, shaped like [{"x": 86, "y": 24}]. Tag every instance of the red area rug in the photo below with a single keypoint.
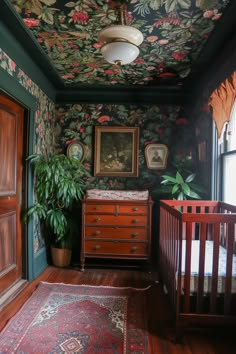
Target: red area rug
[{"x": 60, "y": 318}]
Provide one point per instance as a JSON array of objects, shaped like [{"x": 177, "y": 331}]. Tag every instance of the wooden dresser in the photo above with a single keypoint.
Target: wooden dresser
[{"x": 118, "y": 229}]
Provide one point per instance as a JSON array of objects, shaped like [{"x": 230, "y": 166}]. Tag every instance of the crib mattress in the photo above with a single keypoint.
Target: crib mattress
[{"x": 208, "y": 267}]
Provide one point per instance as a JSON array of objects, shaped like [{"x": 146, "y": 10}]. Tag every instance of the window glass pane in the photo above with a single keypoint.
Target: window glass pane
[
  {"x": 229, "y": 184},
  {"x": 231, "y": 135}
]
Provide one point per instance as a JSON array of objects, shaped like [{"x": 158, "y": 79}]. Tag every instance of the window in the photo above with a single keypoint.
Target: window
[{"x": 229, "y": 161}]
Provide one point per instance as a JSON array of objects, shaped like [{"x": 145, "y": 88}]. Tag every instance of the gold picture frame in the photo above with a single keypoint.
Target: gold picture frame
[
  {"x": 156, "y": 156},
  {"x": 116, "y": 151}
]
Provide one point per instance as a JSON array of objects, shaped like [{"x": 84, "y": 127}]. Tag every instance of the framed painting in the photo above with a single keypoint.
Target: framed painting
[
  {"x": 202, "y": 151},
  {"x": 116, "y": 151},
  {"x": 76, "y": 150},
  {"x": 156, "y": 156}
]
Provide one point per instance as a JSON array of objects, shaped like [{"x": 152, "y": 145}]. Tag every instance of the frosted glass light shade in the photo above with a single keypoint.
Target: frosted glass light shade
[
  {"x": 123, "y": 32},
  {"x": 120, "y": 44},
  {"x": 120, "y": 53}
]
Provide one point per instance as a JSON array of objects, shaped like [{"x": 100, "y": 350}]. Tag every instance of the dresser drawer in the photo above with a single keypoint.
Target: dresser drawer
[
  {"x": 116, "y": 248},
  {"x": 100, "y": 208},
  {"x": 132, "y": 209},
  {"x": 129, "y": 220},
  {"x": 116, "y": 232}
]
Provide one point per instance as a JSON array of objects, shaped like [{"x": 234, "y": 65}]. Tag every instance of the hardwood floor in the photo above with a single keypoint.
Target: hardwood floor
[{"x": 159, "y": 314}]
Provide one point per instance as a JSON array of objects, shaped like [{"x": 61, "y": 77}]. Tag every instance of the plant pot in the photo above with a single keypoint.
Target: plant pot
[{"x": 61, "y": 257}]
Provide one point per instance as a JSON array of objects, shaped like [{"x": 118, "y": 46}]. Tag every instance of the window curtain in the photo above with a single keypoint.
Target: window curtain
[{"x": 221, "y": 102}]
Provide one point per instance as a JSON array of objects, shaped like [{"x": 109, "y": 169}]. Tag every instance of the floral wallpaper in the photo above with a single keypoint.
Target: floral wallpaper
[
  {"x": 158, "y": 124},
  {"x": 174, "y": 32},
  {"x": 44, "y": 116},
  {"x": 44, "y": 120}
]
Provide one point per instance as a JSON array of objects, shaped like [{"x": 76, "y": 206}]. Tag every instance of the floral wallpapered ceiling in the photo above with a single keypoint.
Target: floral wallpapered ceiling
[{"x": 174, "y": 32}]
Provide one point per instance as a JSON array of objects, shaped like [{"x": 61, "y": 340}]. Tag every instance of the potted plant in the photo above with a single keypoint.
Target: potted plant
[
  {"x": 181, "y": 187},
  {"x": 58, "y": 185},
  {"x": 180, "y": 184}
]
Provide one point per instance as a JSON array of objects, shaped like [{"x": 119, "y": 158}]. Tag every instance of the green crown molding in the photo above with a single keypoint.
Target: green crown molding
[
  {"x": 20, "y": 47},
  {"x": 124, "y": 95},
  {"x": 217, "y": 60},
  {"x": 224, "y": 30},
  {"x": 14, "y": 89},
  {"x": 222, "y": 68}
]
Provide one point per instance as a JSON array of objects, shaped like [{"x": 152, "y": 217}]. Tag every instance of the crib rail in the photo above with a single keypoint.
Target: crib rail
[
  {"x": 169, "y": 249},
  {"x": 210, "y": 223}
]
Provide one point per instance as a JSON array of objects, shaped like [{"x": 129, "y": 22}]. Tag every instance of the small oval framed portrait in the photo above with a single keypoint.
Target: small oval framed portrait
[{"x": 76, "y": 150}]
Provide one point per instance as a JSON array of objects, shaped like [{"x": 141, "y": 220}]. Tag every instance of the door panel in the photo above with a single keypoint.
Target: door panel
[
  {"x": 8, "y": 139},
  {"x": 11, "y": 152}
]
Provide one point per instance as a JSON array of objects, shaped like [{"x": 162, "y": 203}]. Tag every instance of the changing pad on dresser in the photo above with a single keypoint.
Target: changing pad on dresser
[{"x": 117, "y": 194}]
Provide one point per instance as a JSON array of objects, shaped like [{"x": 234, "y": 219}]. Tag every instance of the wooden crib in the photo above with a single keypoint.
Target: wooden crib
[{"x": 197, "y": 262}]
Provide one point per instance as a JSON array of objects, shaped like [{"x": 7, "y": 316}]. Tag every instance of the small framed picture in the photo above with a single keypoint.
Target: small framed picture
[
  {"x": 156, "y": 156},
  {"x": 76, "y": 150},
  {"x": 202, "y": 151}
]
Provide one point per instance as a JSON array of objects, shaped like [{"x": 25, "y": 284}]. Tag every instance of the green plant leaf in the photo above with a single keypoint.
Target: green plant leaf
[
  {"x": 181, "y": 196},
  {"x": 186, "y": 188},
  {"x": 175, "y": 189},
  {"x": 179, "y": 178},
  {"x": 165, "y": 181},
  {"x": 194, "y": 195},
  {"x": 190, "y": 178},
  {"x": 168, "y": 179}
]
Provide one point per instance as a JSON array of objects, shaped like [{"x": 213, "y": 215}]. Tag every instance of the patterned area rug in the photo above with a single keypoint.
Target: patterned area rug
[{"x": 60, "y": 318}]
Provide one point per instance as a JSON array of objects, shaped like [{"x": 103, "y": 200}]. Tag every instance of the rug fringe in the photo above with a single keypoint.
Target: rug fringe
[{"x": 100, "y": 286}]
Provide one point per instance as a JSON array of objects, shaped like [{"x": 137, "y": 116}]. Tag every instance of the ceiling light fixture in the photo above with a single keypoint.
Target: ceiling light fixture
[{"x": 120, "y": 42}]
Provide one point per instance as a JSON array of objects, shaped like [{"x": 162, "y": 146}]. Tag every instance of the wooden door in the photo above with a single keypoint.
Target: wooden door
[{"x": 11, "y": 154}]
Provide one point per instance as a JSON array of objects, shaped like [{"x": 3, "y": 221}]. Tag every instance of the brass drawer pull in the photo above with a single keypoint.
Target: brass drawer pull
[
  {"x": 133, "y": 249},
  {"x": 97, "y": 232},
  {"x": 97, "y": 247},
  {"x": 98, "y": 219},
  {"x": 135, "y": 221},
  {"x": 135, "y": 209},
  {"x": 134, "y": 234},
  {"x": 97, "y": 207}
]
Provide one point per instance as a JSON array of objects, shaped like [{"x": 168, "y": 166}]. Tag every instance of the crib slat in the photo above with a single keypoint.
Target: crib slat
[
  {"x": 215, "y": 266},
  {"x": 202, "y": 249},
  {"x": 172, "y": 237},
  {"x": 187, "y": 275},
  {"x": 202, "y": 209},
  {"x": 228, "y": 282},
  {"x": 173, "y": 233}
]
